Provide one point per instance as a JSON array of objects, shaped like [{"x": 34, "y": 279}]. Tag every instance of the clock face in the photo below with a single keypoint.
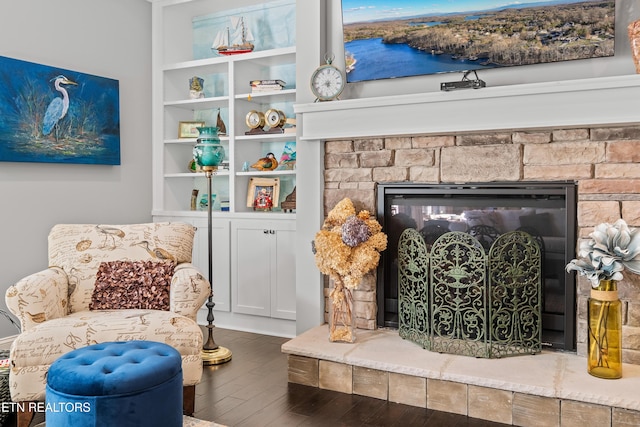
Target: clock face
[
  {"x": 327, "y": 82},
  {"x": 275, "y": 118},
  {"x": 254, "y": 119}
]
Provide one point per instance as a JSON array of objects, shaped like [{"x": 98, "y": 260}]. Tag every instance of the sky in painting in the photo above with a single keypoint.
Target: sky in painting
[{"x": 367, "y": 10}]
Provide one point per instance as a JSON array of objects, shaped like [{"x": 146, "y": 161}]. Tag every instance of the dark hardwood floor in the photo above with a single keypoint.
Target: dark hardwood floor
[{"x": 252, "y": 390}]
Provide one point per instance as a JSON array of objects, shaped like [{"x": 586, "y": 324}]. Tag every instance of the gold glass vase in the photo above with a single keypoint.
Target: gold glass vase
[
  {"x": 342, "y": 327},
  {"x": 604, "y": 343}
]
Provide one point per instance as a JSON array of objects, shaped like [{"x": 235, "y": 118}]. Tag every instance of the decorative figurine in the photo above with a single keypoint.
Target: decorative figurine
[
  {"x": 194, "y": 199},
  {"x": 267, "y": 163},
  {"x": 222, "y": 129},
  {"x": 196, "y": 90},
  {"x": 193, "y": 166},
  {"x": 288, "y": 157},
  {"x": 204, "y": 200},
  {"x": 234, "y": 39},
  {"x": 289, "y": 203}
]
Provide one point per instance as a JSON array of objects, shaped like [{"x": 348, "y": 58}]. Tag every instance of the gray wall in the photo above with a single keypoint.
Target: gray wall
[{"x": 108, "y": 38}]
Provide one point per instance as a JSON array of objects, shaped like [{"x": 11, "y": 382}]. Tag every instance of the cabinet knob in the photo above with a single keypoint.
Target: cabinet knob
[
  {"x": 272, "y": 231},
  {"x": 265, "y": 231}
]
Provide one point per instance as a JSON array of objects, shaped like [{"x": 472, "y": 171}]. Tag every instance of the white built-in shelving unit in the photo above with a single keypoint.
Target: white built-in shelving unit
[{"x": 246, "y": 297}]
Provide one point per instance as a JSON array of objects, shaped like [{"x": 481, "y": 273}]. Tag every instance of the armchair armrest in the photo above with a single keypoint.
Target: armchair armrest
[
  {"x": 189, "y": 290},
  {"x": 39, "y": 297}
]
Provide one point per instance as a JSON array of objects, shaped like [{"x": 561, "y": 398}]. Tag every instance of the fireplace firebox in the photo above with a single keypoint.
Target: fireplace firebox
[{"x": 546, "y": 210}]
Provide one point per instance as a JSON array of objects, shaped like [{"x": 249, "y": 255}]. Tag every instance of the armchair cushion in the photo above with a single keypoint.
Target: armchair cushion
[{"x": 132, "y": 284}]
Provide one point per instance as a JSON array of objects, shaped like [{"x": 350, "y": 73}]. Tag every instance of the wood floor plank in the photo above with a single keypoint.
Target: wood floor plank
[
  {"x": 252, "y": 406},
  {"x": 393, "y": 414},
  {"x": 267, "y": 415},
  {"x": 335, "y": 408},
  {"x": 315, "y": 400},
  {"x": 363, "y": 411}
]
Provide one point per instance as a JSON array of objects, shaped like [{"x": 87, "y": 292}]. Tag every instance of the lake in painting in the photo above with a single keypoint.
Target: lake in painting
[{"x": 417, "y": 37}]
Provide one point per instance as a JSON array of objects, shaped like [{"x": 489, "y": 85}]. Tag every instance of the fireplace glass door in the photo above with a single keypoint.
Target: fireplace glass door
[{"x": 544, "y": 210}]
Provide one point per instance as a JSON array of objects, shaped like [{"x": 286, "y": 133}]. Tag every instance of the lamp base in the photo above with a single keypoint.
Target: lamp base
[{"x": 216, "y": 357}]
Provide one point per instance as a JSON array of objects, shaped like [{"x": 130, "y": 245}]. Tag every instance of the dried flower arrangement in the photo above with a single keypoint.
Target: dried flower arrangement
[{"x": 346, "y": 248}]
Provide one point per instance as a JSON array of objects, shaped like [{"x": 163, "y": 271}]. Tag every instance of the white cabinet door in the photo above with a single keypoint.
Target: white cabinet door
[
  {"x": 263, "y": 268},
  {"x": 251, "y": 267},
  {"x": 283, "y": 279}
]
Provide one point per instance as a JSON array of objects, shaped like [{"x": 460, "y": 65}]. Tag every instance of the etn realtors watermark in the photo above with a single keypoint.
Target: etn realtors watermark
[{"x": 45, "y": 407}]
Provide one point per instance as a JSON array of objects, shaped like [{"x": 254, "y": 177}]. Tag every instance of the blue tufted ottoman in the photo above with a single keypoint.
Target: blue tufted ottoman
[{"x": 129, "y": 383}]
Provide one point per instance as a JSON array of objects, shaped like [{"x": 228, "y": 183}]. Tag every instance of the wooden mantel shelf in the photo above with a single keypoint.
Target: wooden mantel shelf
[{"x": 603, "y": 101}]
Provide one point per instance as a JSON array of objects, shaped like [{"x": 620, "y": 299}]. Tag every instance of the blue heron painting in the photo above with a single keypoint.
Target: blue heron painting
[{"x": 53, "y": 115}]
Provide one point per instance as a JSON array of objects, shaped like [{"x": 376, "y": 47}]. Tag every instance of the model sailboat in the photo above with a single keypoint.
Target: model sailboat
[{"x": 235, "y": 39}]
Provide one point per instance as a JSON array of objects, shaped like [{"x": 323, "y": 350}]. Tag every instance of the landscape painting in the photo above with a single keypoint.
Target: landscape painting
[
  {"x": 54, "y": 115},
  {"x": 401, "y": 38}
]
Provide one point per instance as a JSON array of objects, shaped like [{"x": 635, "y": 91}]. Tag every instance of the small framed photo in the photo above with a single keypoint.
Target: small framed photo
[
  {"x": 189, "y": 129},
  {"x": 263, "y": 193}
]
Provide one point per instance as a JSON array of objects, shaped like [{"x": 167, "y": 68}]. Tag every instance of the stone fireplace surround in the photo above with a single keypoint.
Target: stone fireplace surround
[{"x": 587, "y": 131}]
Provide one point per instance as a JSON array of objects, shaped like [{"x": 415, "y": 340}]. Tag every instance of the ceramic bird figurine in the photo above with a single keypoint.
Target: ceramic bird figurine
[{"x": 268, "y": 163}]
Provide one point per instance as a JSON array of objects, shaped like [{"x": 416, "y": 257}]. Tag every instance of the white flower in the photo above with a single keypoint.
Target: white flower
[{"x": 610, "y": 249}]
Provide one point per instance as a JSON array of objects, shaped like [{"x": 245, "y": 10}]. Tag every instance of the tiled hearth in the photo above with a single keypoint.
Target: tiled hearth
[{"x": 548, "y": 389}]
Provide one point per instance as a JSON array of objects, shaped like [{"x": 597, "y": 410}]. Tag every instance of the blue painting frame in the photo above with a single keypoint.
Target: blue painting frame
[{"x": 43, "y": 124}]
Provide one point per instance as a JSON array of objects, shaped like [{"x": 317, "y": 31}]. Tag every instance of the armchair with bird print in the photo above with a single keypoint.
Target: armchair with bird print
[{"x": 108, "y": 283}]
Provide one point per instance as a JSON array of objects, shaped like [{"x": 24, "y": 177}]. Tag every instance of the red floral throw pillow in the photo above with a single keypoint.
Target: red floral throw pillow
[{"x": 132, "y": 284}]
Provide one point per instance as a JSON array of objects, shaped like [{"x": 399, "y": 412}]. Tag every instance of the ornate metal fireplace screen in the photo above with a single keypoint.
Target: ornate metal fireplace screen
[{"x": 459, "y": 298}]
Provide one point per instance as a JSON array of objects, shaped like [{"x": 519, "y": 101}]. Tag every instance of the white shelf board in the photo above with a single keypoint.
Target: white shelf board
[
  {"x": 266, "y": 137},
  {"x": 267, "y": 173},
  {"x": 199, "y": 104},
  {"x": 194, "y": 174},
  {"x": 264, "y": 97},
  {"x": 263, "y": 57},
  {"x": 191, "y": 141}
]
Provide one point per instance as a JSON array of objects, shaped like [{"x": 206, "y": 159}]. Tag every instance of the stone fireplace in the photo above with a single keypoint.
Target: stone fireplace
[
  {"x": 598, "y": 159},
  {"x": 586, "y": 132}
]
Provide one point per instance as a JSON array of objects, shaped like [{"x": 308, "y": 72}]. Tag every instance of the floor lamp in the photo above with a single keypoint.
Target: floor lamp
[{"x": 208, "y": 153}]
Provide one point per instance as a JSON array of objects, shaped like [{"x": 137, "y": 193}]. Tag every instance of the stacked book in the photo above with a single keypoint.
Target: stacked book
[{"x": 266, "y": 85}]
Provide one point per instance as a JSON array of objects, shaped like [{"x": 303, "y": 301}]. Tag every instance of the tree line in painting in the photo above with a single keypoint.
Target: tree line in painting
[{"x": 511, "y": 36}]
